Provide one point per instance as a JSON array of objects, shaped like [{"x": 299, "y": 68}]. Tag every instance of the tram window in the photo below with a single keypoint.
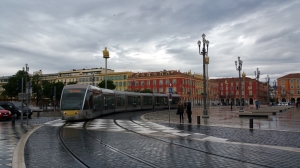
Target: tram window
[
  {"x": 120, "y": 101},
  {"x": 97, "y": 101},
  {"x": 88, "y": 104},
  {"x": 147, "y": 101},
  {"x": 72, "y": 99},
  {"x": 138, "y": 100},
  {"x": 130, "y": 100},
  {"x": 109, "y": 101}
]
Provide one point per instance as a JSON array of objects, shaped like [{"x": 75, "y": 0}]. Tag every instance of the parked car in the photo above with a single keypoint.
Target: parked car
[
  {"x": 16, "y": 108},
  {"x": 26, "y": 109},
  {"x": 5, "y": 114}
]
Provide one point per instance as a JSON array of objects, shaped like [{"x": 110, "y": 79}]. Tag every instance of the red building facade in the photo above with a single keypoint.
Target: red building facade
[
  {"x": 188, "y": 85},
  {"x": 228, "y": 90}
]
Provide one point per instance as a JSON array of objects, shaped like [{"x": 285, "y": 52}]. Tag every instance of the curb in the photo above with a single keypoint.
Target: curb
[{"x": 18, "y": 156}]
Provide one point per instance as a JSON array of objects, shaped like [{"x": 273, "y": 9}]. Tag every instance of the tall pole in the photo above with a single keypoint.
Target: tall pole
[
  {"x": 93, "y": 79},
  {"x": 257, "y": 73},
  {"x": 27, "y": 85},
  {"x": 275, "y": 88},
  {"x": 105, "y": 55},
  {"x": 204, "y": 41},
  {"x": 239, "y": 64},
  {"x": 268, "y": 80}
]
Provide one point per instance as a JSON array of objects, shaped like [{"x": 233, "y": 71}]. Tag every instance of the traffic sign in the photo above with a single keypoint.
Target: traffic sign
[{"x": 170, "y": 90}]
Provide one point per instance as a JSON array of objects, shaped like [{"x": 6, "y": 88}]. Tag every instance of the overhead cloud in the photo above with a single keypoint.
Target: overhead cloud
[{"x": 151, "y": 35}]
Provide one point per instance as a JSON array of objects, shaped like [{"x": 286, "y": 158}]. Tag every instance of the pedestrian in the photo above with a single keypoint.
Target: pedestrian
[
  {"x": 231, "y": 105},
  {"x": 180, "y": 110},
  {"x": 189, "y": 111},
  {"x": 256, "y": 104}
]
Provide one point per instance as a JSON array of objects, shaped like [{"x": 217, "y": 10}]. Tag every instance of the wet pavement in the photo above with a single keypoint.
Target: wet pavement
[{"x": 148, "y": 139}]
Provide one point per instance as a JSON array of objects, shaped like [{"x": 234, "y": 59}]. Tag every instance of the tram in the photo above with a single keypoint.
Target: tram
[{"x": 81, "y": 102}]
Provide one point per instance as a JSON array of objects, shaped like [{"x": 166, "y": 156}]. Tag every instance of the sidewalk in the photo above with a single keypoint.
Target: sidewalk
[{"x": 223, "y": 116}]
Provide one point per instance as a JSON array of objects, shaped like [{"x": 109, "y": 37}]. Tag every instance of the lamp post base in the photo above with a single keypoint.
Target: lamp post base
[{"x": 205, "y": 116}]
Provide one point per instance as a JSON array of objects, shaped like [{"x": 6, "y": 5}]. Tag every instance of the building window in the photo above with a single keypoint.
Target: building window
[
  {"x": 174, "y": 81},
  {"x": 282, "y": 81},
  {"x": 167, "y": 81},
  {"x": 161, "y": 82},
  {"x": 142, "y": 83},
  {"x": 292, "y": 80},
  {"x": 154, "y": 82}
]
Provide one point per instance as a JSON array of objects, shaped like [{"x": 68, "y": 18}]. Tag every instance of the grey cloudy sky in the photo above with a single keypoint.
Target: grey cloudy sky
[{"x": 151, "y": 35}]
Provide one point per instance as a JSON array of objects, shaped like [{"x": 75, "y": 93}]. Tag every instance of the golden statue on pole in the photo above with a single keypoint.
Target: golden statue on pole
[{"x": 105, "y": 53}]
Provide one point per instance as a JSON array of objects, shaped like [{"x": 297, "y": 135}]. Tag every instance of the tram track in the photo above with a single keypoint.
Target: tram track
[
  {"x": 99, "y": 141},
  {"x": 75, "y": 157},
  {"x": 137, "y": 159},
  {"x": 183, "y": 146}
]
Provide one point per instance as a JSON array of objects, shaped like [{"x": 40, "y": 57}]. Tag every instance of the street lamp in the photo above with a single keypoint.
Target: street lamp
[
  {"x": 257, "y": 73},
  {"x": 93, "y": 78},
  {"x": 268, "y": 81},
  {"x": 105, "y": 55},
  {"x": 244, "y": 88},
  {"x": 133, "y": 85},
  {"x": 275, "y": 88},
  {"x": 204, "y": 52},
  {"x": 238, "y": 65}
]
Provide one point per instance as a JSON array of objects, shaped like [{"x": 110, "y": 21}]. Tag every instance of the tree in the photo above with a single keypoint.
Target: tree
[
  {"x": 37, "y": 88},
  {"x": 10, "y": 88},
  {"x": 110, "y": 84},
  {"x": 146, "y": 91}
]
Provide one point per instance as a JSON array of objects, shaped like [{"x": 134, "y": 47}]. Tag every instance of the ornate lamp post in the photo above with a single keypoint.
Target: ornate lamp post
[
  {"x": 238, "y": 65},
  {"x": 105, "y": 55},
  {"x": 226, "y": 90},
  {"x": 204, "y": 52},
  {"x": 257, "y": 73},
  {"x": 268, "y": 81},
  {"x": 244, "y": 88}
]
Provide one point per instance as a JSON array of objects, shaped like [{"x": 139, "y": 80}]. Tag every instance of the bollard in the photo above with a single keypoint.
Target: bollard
[
  {"x": 13, "y": 120},
  {"x": 38, "y": 114},
  {"x": 198, "y": 119},
  {"x": 251, "y": 122}
]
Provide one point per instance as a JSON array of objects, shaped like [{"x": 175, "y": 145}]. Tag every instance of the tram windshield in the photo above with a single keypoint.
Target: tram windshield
[{"x": 72, "y": 99}]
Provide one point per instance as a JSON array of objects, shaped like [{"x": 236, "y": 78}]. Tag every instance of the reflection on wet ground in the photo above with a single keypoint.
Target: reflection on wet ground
[{"x": 224, "y": 117}]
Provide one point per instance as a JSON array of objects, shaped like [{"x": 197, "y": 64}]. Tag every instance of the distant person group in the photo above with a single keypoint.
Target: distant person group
[{"x": 186, "y": 106}]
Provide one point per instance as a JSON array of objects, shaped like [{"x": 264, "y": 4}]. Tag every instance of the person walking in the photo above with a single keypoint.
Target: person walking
[
  {"x": 189, "y": 111},
  {"x": 180, "y": 110},
  {"x": 256, "y": 104},
  {"x": 231, "y": 105}
]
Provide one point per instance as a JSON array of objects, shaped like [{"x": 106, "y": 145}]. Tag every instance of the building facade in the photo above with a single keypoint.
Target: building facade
[
  {"x": 189, "y": 86},
  {"x": 251, "y": 89},
  {"x": 289, "y": 88}
]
